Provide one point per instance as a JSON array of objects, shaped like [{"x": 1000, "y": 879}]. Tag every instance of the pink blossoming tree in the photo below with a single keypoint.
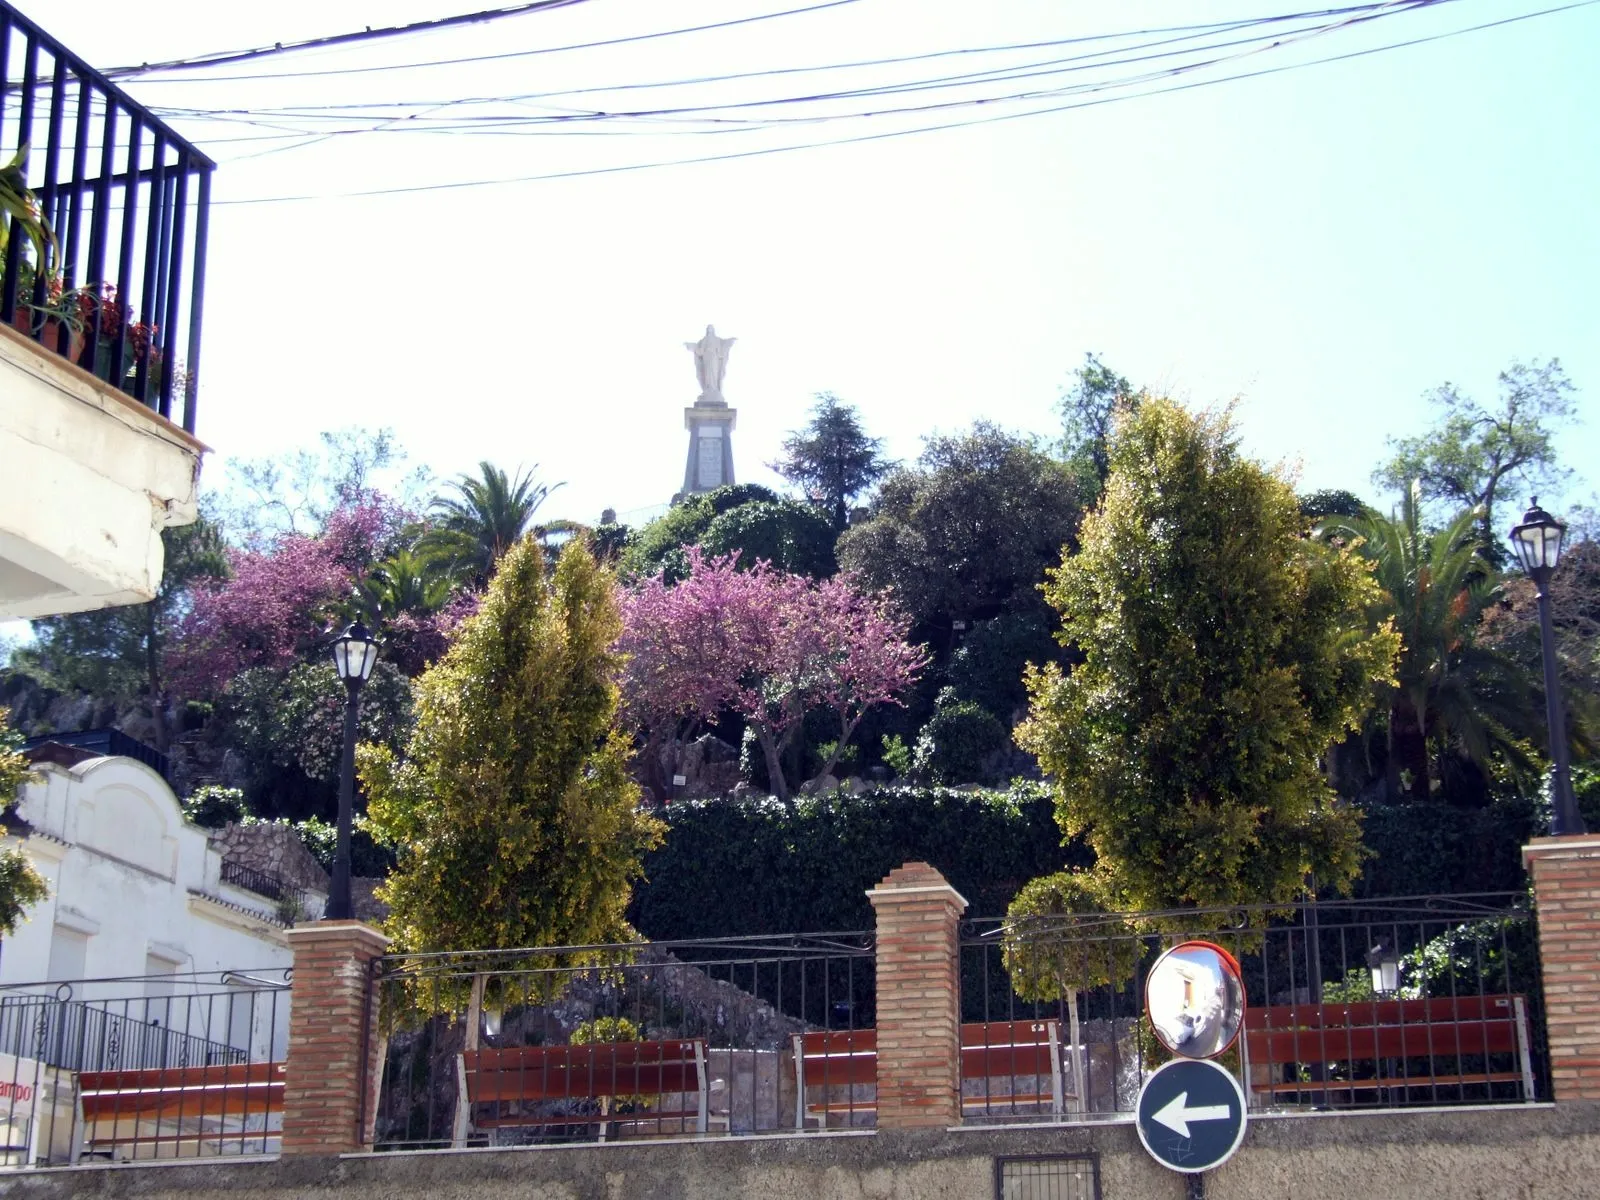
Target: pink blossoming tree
[
  {"x": 765, "y": 644},
  {"x": 276, "y": 602}
]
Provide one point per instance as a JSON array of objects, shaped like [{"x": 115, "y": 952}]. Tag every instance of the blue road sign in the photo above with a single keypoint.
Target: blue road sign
[{"x": 1191, "y": 1115}]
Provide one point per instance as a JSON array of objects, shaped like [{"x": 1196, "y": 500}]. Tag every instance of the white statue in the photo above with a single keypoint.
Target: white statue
[{"x": 710, "y": 361}]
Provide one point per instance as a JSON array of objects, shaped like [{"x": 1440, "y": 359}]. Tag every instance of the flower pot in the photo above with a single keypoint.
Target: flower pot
[{"x": 57, "y": 335}]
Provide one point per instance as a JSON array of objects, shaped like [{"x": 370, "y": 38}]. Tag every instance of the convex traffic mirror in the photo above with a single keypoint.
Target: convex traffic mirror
[{"x": 1194, "y": 996}]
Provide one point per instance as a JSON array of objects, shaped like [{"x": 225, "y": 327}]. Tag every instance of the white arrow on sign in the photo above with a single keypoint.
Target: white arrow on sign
[{"x": 1177, "y": 1115}]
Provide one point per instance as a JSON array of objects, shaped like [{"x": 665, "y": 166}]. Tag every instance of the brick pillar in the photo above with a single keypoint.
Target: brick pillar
[
  {"x": 919, "y": 1035},
  {"x": 333, "y": 1026},
  {"x": 1566, "y": 890}
]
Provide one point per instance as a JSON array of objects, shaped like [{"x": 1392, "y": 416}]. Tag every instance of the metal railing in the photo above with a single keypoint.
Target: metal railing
[
  {"x": 128, "y": 201},
  {"x": 1373, "y": 1004},
  {"x": 606, "y": 1042},
  {"x": 262, "y": 883},
  {"x": 191, "y": 1065}
]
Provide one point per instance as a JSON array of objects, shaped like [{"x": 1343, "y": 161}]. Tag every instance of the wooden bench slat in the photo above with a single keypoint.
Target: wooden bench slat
[
  {"x": 1390, "y": 1083},
  {"x": 1432, "y": 1010},
  {"x": 157, "y": 1105},
  {"x": 174, "y": 1077},
  {"x": 1392, "y": 1041}
]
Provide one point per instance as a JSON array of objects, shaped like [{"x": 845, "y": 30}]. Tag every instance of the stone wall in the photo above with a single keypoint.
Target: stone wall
[
  {"x": 1506, "y": 1153},
  {"x": 275, "y": 849}
]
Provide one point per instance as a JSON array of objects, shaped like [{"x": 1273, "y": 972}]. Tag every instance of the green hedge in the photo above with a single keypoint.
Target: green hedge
[
  {"x": 1433, "y": 849},
  {"x": 748, "y": 866},
  {"x": 730, "y": 867}
]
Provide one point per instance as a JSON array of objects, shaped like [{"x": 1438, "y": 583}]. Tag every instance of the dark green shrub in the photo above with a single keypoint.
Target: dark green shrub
[{"x": 954, "y": 743}]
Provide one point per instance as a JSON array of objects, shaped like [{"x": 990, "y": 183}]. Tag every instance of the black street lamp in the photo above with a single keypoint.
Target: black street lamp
[
  {"x": 1538, "y": 545},
  {"x": 354, "y": 653}
]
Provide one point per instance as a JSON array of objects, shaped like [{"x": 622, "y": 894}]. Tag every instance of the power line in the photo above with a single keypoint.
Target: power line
[
  {"x": 222, "y": 57},
  {"x": 508, "y": 124},
  {"x": 1188, "y": 32},
  {"x": 872, "y": 137},
  {"x": 475, "y": 58},
  {"x": 721, "y": 124}
]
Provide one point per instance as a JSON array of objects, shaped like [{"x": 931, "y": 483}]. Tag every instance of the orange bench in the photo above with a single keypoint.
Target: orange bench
[
  {"x": 220, "y": 1092},
  {"x": 1377, "y": 1039},
  {"x": 989, "y": 1050},
  {"x": 505, "y": 1079}
]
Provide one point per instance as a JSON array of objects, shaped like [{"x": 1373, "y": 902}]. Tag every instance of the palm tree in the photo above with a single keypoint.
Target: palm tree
[
  {"x": 403, "y": 582},
  {"x": 486, "y": 516},
  {"x": 1449, "y": 691}
]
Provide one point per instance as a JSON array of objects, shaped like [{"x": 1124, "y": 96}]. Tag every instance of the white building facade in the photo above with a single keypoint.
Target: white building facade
[{"x": 135, "y": 890}]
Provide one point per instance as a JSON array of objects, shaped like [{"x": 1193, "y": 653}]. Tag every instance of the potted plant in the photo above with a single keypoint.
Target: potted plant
[{"x": 64, "y": 318}]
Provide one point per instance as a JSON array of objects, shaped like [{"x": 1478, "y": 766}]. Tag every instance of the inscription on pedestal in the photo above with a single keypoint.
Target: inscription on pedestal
[{"x": 709, "y": 467}]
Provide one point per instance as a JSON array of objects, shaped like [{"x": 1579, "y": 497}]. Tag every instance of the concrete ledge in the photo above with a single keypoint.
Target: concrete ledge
[{"x": 1507, "y": 1153}]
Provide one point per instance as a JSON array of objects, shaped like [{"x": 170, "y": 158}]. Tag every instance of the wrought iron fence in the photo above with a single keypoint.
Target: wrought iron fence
[
  {"x": 191, "y": 1065},
  {"x": 1377, "y": 1003},
  {"x": 128, "y": 202},
  {"x": 262, "y": 883},
  {"x": 606, "y": 1042}
]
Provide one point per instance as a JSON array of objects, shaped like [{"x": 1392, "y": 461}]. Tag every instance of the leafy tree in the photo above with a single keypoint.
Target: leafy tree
[
  {"x": 20, "y": 885},
  {"x": 832, "y": 460},
  {"x": 120, "y": 654},
  {"x": 511, "y": 812},
  {"x": 1473, "y": 450},
  {"x": 285, "y": 729},
  {"x": 987, "y": 667},
  {"x": 1449, "y": 691},
  {"x": 488, "y": 514},
  {"x": 660, "y": 544},
  {"x": 1059, "y": 941},
  {"x": 1332, "y": 502},
  {"x": 297, "y": 493},
  {"x": 1088, "y": 412},
  {"x": 968, "y": 533},
  {"x": 609, "y": 539},
  {"x": 1223, "y": 653},
  {"x": 792, "y": 537},
  {"x": 768, "y": 645},
  {"x": 1511, "y": 628}
]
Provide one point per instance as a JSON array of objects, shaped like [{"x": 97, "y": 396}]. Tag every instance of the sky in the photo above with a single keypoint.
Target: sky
[{"x": 1324, "y": 244}]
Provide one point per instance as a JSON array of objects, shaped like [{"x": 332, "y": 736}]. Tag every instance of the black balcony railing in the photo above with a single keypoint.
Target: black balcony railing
[
  {"x": 127, "y": 201},
  {"x": 262, "y": 883}
]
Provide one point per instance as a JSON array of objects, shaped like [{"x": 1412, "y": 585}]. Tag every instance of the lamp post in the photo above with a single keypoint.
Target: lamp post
[
  {"x": 354, "y": 653},
  {"x": 1538, "y": 545}
]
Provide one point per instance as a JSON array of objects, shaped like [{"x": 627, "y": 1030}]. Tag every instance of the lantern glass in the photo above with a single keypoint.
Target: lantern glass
[
  {"x": 1384, "y": 964},
  {"x": 355, "y": 652},
  {"x": 1538, "y": 540}
]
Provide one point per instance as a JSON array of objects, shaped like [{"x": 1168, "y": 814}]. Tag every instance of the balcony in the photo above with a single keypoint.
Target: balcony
[{"x": 100, "y": 323}]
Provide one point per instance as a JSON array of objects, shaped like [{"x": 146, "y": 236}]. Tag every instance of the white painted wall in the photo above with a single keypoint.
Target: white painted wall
[
  {"x": 136, "y": 891},
  {"x": 91, "y": 478}
]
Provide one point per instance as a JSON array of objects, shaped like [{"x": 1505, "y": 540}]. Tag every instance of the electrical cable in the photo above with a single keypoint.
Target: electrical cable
[
  {"x": 1190, "y": 33},
  {"x": 871, "y": 137},
  {"x": 221, "y": 57},
  {"x": 415, "y": 122},
  {"x": 724, "y": 124},
  {"x": 131, "y": 72}
]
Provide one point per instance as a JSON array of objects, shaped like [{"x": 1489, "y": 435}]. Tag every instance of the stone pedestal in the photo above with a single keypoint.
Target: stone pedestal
[
  {"x": 710, "y": 465},
  {"x": 1566, "y": 891},
  {"x": 919, "y": 1031},
  {"x": 331, "y": 1082}
]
